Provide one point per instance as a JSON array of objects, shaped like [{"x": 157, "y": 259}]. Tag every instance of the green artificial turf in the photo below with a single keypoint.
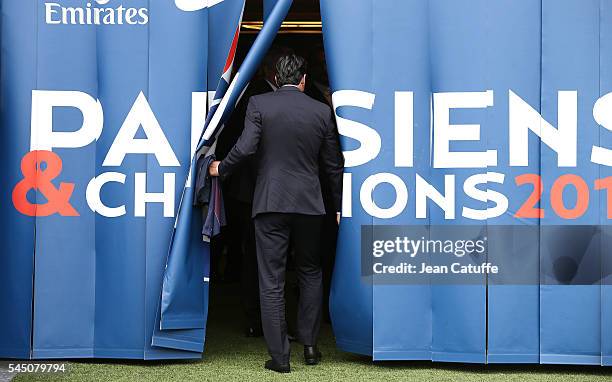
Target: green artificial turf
[{"x": 232, "y": 357}]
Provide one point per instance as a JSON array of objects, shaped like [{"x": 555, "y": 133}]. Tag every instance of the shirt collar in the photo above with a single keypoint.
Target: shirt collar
[{"x": 289, "y": 87}]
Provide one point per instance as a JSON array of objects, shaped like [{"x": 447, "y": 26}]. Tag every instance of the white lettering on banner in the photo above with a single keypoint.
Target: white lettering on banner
[
  {"x": 426, "y": 191},
  {"x": 93, "y": 194},
  {"x": 51, "y": 10},
  {"x": 367, "y": 201},
  {"x": 602, "y": 112},
  {"x": 347, "y": 195},
  {"x": 42, "y": 136},
  {"x": 500, "y": 200},
  {"x": 563, "y": 140},
  {"x": 368, "y": 138},
  {"x": 404, "y": 129},
  {"x": 142, "y": 197},
  {"x": 521, "y": 120},
  {"x": 155, "y": 143},
  {"x": 94, "y": 13},
  {"x": 475, "y": 187},
  {"x": 444, "y": 132}
]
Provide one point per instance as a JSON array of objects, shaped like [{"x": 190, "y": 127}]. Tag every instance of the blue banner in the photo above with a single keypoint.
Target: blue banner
[
  {"x": 102, "y": 106},
  {"x": 17, "y": 65},
  {"x": 183, "y": 307},
  {"x": 513, "y": 310},
  {"x": 351, "y": 318},
  {"x": 488, "y": 117},
  {"x": 395, "y": 337},
  {"x": 475, "y": 130},
  {"x": 605, "y": 62},
  {"x": 570, "y": 315}
]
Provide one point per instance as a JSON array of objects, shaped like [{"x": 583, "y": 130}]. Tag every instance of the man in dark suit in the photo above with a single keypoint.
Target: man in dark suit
[
  {"x": 238, "y": 192},
  {"x": 292, "y": 137}
]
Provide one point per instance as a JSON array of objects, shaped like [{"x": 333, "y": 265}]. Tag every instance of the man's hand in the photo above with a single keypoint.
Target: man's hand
[
  {"x": 338, "y": 217},
  {"x": 213, "y": 169}
]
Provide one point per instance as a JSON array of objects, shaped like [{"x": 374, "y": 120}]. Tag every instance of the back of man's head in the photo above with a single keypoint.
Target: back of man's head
[
  {"x": 269, "y": 63},
  {"x": 290, "y": 69}
]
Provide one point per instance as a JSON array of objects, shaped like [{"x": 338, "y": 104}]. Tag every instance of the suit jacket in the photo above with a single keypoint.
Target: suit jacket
[
  {"x": 293, "y": 137},
  {"x": 241, "y": 184}
]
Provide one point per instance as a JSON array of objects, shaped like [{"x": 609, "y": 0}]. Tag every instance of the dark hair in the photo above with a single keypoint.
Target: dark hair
[{"x": 290, "y": 69}]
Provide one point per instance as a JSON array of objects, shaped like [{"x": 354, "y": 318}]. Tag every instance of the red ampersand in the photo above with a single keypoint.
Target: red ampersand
[{"x": 37, "y": 178}]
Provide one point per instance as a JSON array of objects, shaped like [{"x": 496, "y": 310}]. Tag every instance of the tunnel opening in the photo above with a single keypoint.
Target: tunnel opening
[{"x": 232, "y": 322}]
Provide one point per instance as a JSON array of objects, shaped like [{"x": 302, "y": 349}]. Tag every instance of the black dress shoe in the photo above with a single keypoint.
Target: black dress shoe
[
  {"x": 252, "y": 332},
  {"x": 277, "y": 367},
  {"x": 312, "y": 355}
]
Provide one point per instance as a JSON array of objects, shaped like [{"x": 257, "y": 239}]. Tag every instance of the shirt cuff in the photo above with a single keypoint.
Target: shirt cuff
[{"x": 220, "y": 170}]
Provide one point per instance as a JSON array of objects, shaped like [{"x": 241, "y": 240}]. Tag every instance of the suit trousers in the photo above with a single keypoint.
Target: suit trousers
[{"x": 273, "y": 233}]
